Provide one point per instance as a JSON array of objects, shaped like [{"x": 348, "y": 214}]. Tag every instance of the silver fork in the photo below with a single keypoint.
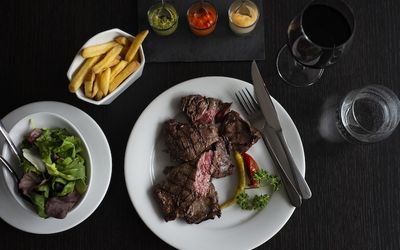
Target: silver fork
[{"x": 256, "y": 119}]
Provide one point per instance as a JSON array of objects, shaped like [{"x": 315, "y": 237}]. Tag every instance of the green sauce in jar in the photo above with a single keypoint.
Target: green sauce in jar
[{"x": 162, "y": 24}]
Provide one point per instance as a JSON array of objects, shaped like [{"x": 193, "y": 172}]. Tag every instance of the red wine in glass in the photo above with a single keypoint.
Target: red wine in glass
[{"x": 317, "y": 38}]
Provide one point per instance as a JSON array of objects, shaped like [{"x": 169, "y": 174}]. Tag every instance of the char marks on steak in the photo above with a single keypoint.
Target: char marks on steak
[
  {"x": 222, "y": 165},
  {"x": 201, "y": 109},
  {"x": 185, "y": 142},
  {"x": 188, "y": 193},
  {"x": 239, "y": 132}
]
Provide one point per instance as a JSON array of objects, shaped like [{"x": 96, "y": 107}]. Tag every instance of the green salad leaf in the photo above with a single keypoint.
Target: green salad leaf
[
  {"x": 81, "y": 186},
  {"x": 39, "y": 201},
  {"x": 44, "y": 189},
  {"x": 68, "y": 188}
]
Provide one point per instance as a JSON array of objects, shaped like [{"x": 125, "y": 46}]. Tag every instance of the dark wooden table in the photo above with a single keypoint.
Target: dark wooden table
[{"x": 356, "y": 188}]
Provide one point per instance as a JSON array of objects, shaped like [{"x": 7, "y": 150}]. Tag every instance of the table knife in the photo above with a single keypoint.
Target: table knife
[{"x": 274, "y": 133}]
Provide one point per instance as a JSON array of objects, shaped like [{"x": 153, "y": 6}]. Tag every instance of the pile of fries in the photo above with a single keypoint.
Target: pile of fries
[{"x": 107, "y": 65}]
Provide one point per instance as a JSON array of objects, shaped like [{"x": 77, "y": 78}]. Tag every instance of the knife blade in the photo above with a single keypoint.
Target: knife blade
[
  {"x": 291, "y": 189},
  {"x": 274, "y": 133}
]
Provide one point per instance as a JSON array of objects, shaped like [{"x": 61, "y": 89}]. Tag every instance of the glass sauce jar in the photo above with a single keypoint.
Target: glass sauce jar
[
  {"x": 243, "y": 16},
  {"x": 162, "y": 24},
  {"x": 202, "y": 17}
]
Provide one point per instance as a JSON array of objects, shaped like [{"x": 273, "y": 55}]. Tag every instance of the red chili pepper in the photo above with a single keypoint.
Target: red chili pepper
[{"x": 251, "y": 168}]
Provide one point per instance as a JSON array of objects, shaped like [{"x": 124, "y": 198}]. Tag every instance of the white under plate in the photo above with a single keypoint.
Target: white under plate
[
  {"x": 145, "y": 160},
  {"x": 27, "y": 220}
]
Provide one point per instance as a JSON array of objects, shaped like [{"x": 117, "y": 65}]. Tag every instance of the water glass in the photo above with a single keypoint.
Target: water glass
[{"x": 368, "y": 114}]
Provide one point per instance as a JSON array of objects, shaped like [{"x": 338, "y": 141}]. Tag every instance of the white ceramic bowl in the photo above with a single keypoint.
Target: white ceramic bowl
[
  {"x": 104, "y": 37},
  {"x": 17, "y": 134}
]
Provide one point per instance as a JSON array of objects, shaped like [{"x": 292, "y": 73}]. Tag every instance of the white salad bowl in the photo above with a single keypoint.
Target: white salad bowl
[
  {"x": 103, "y": 37},
  {"x": 19, "y": 131}
]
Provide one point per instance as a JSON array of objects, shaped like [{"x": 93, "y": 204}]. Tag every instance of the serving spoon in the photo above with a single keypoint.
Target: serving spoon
[
  {"x": 243, "y": 9},
  {"x": 14, "y": 150},
  {"x": 9, "y": 168},
  {"x": 164, "y": 12}
]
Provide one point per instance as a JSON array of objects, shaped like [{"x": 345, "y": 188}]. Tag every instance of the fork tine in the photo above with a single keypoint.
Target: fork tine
[
  {"x": 254, "y": 102},
  {"x": 249, "y": 99},
  {"x": 246, "y": 101},
  {"x": 241, "y": 104}
]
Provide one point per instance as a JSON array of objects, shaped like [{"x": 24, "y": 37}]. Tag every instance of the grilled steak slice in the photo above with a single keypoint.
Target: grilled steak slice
[
  {"x": 239, "y": 132},
  {"x": 221, "y": 163},
  {"x": 187, "y": 192},
  {"x": 201, "y": 109},
  {"x": 224, "y": 108},
  {"x": 185, "y": 142}
]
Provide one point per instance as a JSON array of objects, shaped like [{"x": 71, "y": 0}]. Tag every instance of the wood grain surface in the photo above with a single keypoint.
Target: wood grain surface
[{"x": 356, "y": 188}]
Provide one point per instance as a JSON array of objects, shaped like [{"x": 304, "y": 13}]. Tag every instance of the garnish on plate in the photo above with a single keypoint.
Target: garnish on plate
[
  {"x": 242, "y": 181},
  {"x": 257, "y": 178}
]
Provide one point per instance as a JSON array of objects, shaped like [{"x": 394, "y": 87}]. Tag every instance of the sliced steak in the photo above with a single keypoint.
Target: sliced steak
[
  {"x": 201, "y": 109},
  {"x": 239, "y": 132},
  {"x": 224, "y": 108},
  {"x": 188, "y": 193},
  {"x": 222, "y": 165},
  {"x": 185, "y": 142}
]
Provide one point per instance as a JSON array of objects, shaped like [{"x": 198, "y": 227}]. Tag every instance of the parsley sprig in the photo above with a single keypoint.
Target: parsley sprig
[
  {"x": 264, "y": 179},
  {"x": 258, "y": 202}
]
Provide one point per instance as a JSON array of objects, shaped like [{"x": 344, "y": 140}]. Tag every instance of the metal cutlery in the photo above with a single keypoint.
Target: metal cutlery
[
  {"x": 14, "y": 150},
  {"x": 274, "y": 135},
  {"x": 16, "y": 173},
  {"x": 257, "y": 120},
  {"x": 9, "y": 168},
  {"x": 10, "y": 143}
]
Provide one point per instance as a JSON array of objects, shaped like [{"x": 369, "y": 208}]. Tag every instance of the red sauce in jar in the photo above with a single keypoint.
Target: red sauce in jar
[{"x": 202, "y": 18}]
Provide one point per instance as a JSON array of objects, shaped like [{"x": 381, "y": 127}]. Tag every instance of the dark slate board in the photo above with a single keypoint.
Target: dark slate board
[{"x": 184, "y": 46}]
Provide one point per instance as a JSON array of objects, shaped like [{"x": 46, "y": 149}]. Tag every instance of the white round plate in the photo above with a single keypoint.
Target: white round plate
[
  {"x": 145, "y": 160},
  {"x": 26, "y": 219}
]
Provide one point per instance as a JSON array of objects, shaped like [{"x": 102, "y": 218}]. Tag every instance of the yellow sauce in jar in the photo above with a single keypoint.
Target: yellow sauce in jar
[
  {"x": 242, "y": 20},
  {"x": 243, "y": 16}
]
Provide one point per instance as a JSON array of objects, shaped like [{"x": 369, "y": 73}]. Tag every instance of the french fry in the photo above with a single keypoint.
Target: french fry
[
  {"x": 134, "y": 47},
  {"x": 99, "y": 95},
  {"x": 125, "y": 50},
  {"x": 129, "y": 69},
  {"x": 108, "y": 58},
  {"x": 123, "y": 40},
  {"x": 88, "y": 84},
  {"x": 117, "y": 68},
  {"x": 105, "y": 81},
  {"x": 96, "y": 86},
  {"x": 77, "y": 78},
  {"x": 114, "y": 62},
  {"x": 137, "y": 57},
  {"x": 99, "y": 49}
]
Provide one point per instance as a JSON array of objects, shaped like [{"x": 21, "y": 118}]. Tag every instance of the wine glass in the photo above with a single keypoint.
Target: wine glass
[{"x": 317, "y": 38}]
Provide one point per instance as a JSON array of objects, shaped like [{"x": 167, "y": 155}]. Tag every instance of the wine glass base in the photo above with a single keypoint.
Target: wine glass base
[{"x": 293, "y": 72}]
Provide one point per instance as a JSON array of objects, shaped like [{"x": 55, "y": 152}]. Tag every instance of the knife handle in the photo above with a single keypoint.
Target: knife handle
[
  {"x": 294, "y": 196},
  {"x": 304, "y": 189}
]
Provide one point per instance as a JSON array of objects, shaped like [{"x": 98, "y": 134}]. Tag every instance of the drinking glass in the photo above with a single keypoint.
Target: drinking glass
[
  {"x": 366, "y": 115},
  {"x": 317, "y": 38},
  {"x": 369, "y": 114}
]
